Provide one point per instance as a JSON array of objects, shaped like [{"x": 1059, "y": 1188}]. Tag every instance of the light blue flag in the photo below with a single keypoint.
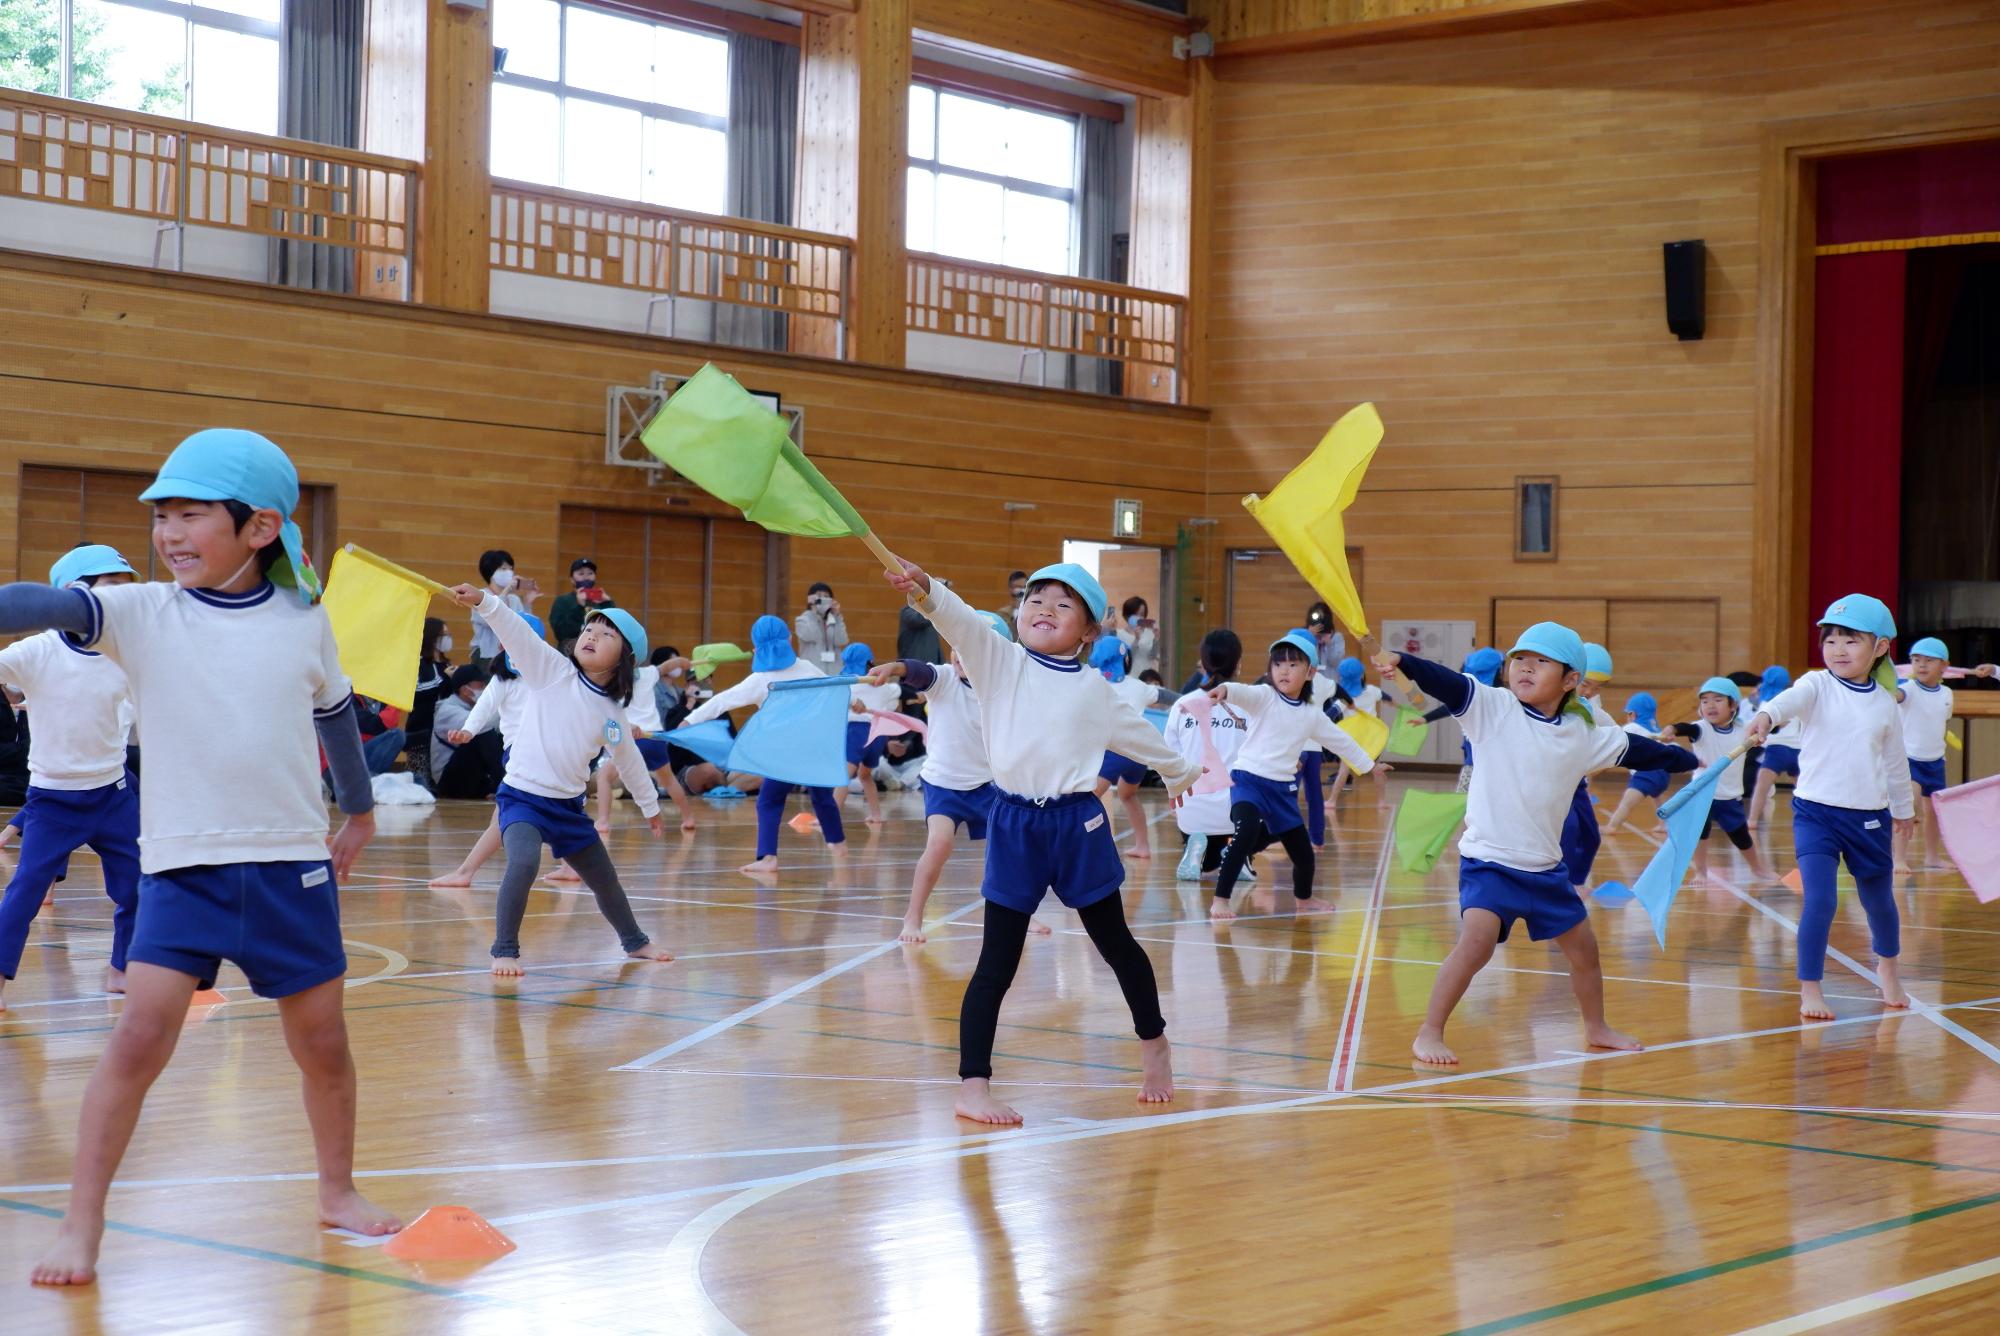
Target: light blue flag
[
  {"x": 799, "y": 734},
  {"x": 1158, "y": 719},
  {"x": 711, "y": 741},
  {"x": 1685, "y": 813}
]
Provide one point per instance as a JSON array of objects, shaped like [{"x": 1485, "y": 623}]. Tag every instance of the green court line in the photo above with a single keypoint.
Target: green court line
[
  {"x": 1714, "y": 1269},
  {"x": 261, "y": 1255}
]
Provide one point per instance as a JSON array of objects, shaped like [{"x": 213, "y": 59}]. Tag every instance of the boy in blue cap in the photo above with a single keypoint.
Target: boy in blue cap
[
  {"x": 1926, "y": 705},
  {"x": 1536, "y": 742},
  {"x": 864, "y": 754},
  {"x": 1048, "y": 723},
  {"x": 1711, "y": 738},
  {"x": 79, "y": 790},
  {"x": 1642, "y": 716},
  {"x": 234, "y": 854},
  {"x": 1854, "y": 786}
]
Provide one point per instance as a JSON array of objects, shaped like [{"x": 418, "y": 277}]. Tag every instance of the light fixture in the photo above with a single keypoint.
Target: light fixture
[
  {"x": 1125, "y": 517},
  {"x": 1011, "y": 506}
]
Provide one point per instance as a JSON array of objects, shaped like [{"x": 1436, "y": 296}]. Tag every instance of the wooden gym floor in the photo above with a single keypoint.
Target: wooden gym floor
[{"x": 760, "y": 1137}]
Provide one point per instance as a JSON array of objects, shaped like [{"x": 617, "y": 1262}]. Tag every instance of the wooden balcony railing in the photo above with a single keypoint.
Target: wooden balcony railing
[
  {"x": 671, "y": 255},
  {"x": 1048, "y": 313},
  {"x": 178, "y": 175}
]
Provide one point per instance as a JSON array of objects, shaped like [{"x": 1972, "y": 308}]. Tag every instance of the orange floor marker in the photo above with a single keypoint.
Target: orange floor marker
[
  {"x": 804, "y": 823},
  {"x": 207, "y": 997},
  {"x": 449, "y": 1234},
  {"x": 1795, "y": 881}
]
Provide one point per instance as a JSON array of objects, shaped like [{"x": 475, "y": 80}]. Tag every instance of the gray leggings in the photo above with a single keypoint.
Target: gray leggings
[{"x": 524, "y": 859}]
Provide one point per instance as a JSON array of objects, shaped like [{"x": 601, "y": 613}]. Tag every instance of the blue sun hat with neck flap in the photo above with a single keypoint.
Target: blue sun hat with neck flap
[
  {"x": 1077, "y": 578},
  {"x": 1931, "y": 648},
  {"x": 230, "y": 464},
  {"x": 854, "y": 660},
  {"x": 1107, "y": 655},
  {"x": 1483, "y": 664},
  {"x": 1645, "y": 710},
  {"x": 1353, "y": 677},
  {"x": 771, "y": 645},
  {"x": 88, "y": 562},
  {"x": 628, "y": 627}
]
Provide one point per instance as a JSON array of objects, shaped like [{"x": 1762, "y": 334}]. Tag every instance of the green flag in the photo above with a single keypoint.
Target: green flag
[
  {"x": 1424, "y": 825},
  {"x": 714, "y": 434},
  {"x": 1407, "y": 734},
  {"x": 706, "y": 657}
]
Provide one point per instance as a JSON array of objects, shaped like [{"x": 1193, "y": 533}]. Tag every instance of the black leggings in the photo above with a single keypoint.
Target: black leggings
[
  {"x": 523, "y": 843},
  {"x": 1000, "y": 955},
  {"x": 1250, "y": 837}
]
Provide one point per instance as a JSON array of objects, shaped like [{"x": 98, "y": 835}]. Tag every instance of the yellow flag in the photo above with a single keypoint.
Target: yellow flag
[
  {"x": 1366, "y": 729},
  {"x": 1303, "y": 514},
  {"x": 377, "y": 610}
]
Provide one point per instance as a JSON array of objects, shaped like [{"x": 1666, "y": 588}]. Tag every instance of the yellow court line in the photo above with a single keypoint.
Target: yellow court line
[{"x": 393, "y": 962}]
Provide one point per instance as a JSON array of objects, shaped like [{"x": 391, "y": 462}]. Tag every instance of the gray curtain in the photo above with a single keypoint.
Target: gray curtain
[
  {"x": 763, "y": 142},
  {"x": 320, "y": 50},
  {"x": 1096, "y": 230}
]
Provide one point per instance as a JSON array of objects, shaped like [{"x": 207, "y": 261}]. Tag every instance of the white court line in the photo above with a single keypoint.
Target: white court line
[
  {"x": 953, "y": 1080},
  {"x": 779, "y": 998},
  {"x": 1340, "y": 1076},
  {"x": 1880, "y": 1299}
]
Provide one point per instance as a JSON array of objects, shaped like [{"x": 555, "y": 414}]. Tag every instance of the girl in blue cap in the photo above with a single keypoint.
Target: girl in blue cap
[
  {"x": 574, "y": 708},
  {"x": 1048, "y": 722},
  {"x": 862, "y": 755},
  {"x": 79, "y": 790},
  {"x": 1107, "y": 656},
  {"x": 1853, "y": 791},
  {"x": 1535, "y": 744},
  {"x": 1642, "y": 716},
  {"x": 1780, "y": 753},
  {"x": 1282, "y": 722},
  {"x": 772, "y": 659},
  {"x": 1713, "y": 737},
  {"x": 1926, "y": 704},
  {"x": 1363, "y": 697}
]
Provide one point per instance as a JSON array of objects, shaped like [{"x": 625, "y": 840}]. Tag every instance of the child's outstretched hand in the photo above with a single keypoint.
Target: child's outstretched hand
[
  {"x": 913, "y": 580},
  {"x": 1759, "y": 729},
  {"x": 883, "y": 673},
  {"x": 458, "y": 737},
  {"x": 1219, "y": 693},
  {"x": 657, "y": 826},
  {"x": 348, "y": 842},
  {"x": 1987, "y": 670},
  {"x": 467, "y": 596},
  {"x": 1386, "y": 661}
]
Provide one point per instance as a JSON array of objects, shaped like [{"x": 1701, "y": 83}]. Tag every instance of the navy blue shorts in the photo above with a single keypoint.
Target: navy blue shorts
[
  {"x": 1276, "y": 801},
  {"x": 1544, "y": 899},
  {"x": 860, "y": 751},
  {"x": 653, "y": 751},
  {"x": 561, "y": 820},
  {"x": 277, "y": 922},
  {"x": 1121, "y": 769},
  {"x": 965, "y": 807},
  {"x": 1726, "y": 813},
  {"x": 1779, "y": 759},
  {"x": 1652, "y": 783},
  {"x": 1928, "y": 776},
  {"x": 1862, "y": 838},
  {"x": 1061, "y": 844}
]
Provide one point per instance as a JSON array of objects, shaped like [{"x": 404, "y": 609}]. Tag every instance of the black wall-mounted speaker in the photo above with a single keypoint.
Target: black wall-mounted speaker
[{"x": 1687, "y": 287}]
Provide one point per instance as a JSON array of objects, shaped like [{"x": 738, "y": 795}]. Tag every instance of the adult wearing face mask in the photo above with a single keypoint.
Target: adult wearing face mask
[
  {"x": 821, "y": 630},
  {"x": 432, "y": 670},
  {"x": 1017, "y": 589},
  {"x": 566, "y": 614},
  {"x": 496, "y": 568}
]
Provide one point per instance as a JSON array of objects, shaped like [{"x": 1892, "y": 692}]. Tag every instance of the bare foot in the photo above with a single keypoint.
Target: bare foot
[
  {"x": 1142, "y": 851},
  {"x": 347, "y": 1209},
  {"x": 1812, "y": 1001},
  {"x": 601, "y": 827},
  {"x": 651, "y": 952},
  {"x": 451, "y": 881},
  {"x": 1891, "y": 974},
  {"x": 1900, "y": 869},
  {"x": 509, "y": 967},
  {"x": 114, "y": 980},
  {"x": 1219, "y": 910},
  {"x": 1613, "y": 826},
  {"x": 1430, "y": 1048},
  {"x": 1937, "y": 865},
  {"x": 1038, "y": 928},
  {"x": 872, "y": 819},
  {"x": 1603, "y": 1036},
  {"x": 687, "y": 824},
  {"x": 72, "y": 1258},
  {"x": 976, "y": 1102},
  {"x": 765, "y": 866},
  {"x": 1156, "y": 1071},
  {"x": 565, "y": 873},
  {"x": 913, "y": 932},
  {"x": 3, "y": 997},
  {"x": 1315, "y": 905}
]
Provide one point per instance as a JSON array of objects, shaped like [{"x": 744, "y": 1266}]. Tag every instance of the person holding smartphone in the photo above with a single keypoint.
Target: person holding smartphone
[{"x": 821, "y": 630}]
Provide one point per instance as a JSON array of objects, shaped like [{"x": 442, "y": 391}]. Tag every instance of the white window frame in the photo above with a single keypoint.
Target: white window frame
[
  {"x": 196, "y": 15},
  {"x": 932, "y": 164},
  {"x": 563, "y": 90}
]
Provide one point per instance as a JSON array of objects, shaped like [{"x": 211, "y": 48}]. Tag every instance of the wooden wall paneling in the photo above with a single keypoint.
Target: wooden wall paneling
[
  {"x": 456, "y": 193},
  {"x": 1109, "y": 42},
  {"x": 736, "y": 568},
  {"x": 1265, "y": 598},
  {"x": 1588, "y": 617},
  {"x": 1258, "y": 28},
  {"x": 1666, "y": 641},
  {"x": 1171, "y": 169}
]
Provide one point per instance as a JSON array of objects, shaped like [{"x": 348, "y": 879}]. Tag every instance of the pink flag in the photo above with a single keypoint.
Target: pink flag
[
  {"x": 1969, "y": 819},
  {"x": 1905, "y": 671},
  {"x": 889, "y": 724},
  {"x": 1214, "y": 773}
]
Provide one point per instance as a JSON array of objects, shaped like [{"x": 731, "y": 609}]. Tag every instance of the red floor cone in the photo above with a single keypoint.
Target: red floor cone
[
  {"x": 1795, "y": 881},
  {"x": 449, "y": 1234},
  {"x": 805, "y": 823}
]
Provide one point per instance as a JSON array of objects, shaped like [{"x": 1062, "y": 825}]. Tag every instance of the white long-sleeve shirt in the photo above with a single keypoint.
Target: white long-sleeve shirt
[
  {"x": 885, "y": 697},
  {"x": 1850, "y": 744},
  {"x": 1281, "y": 728},
  {"x": 566, "y": 719},
  {"x": 750, "y": 691},
  {"x": 500, "y": 703},
  {"x": 1710, "y": 745},
  {"x": 1529, "y": 767},
  {"x": 644, "y": 711},
  {"x": 1048, "y": 721},
  {"x": 1926, "y": 712},
  {"x": 1206, "y": 813},
  {"x": 79, "y": 706},
  {"x": 955, "y": 748}
]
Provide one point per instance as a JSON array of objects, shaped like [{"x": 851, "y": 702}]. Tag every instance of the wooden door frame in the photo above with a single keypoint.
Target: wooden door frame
[
  {"x": 1163, "y": 607},
  {"x": 1787, "y": 237}
]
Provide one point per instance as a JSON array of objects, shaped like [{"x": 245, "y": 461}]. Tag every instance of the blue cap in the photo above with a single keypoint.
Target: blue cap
[
  {"x": 1645, "y": 709},
  {"x": 854, "y": 660},
  {"x": 1352, "y": 675},
  {"x": 1551, "y": 640},
  {"x": 1077, "y": 578},
  {"x": 771, "y": 645},
  {"x": 1776, "y": 678},
  {"x": 1303, "y": 642},
  {"x": 230, "y": 464},
  {"x": 1596, "y": 662},
  {"x": 628, "y": 626},
  {"x": 535, "y": 625},
  {"x": 999, "y": 624},
  {"x": 1483, "y": 664},
  {"x": 1930, "y": 647},
  {"x": 1721, "y": 686},
  {"x": 81, "y": 563},
  {"x": 1108, "y": 656},
  {"x": 1863, "y": 613}
]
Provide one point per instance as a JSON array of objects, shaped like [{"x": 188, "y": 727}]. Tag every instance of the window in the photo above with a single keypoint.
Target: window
[
  {"x": 215, "y": 62},
  {"x": 609, "y": 105},
  {"x": 991, "y": 182},
  {"x": 1534, "y": 519}
]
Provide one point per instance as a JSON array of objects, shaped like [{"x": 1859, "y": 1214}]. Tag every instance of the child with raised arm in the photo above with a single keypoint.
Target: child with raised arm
[
  {"x": 1642, "y": 716},
  {"x": 1854, "y": 787},
  {"x": 1203, "y": 818},
  {"x": 1712, "y": 737},
  {"x": 1926, "y": 708},
  {"x": 1535, "y": 743},
  {"x": 1283, "y": 722},
  {"x": 79, "y": 791},
  {"x": 234, "y": 858},
  {"x": 1048, "y": 723},
  {"x": 574, "y": 707},
  {"x": 1123, "y": 774}
]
